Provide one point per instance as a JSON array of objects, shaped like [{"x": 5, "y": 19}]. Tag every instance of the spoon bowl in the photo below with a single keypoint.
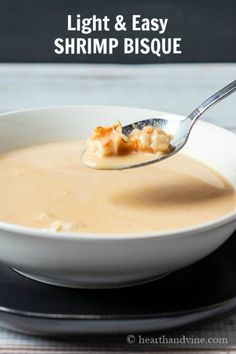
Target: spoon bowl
[
  {"x": 180, "y": 131},
  {"x": 173, "y": 127}
]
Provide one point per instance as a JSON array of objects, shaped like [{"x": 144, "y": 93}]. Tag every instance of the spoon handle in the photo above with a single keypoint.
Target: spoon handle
[{"x": 218, "y": 96}]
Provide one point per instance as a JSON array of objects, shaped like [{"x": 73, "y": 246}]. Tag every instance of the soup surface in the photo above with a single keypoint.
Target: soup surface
[{"x": 48, "y": 186}]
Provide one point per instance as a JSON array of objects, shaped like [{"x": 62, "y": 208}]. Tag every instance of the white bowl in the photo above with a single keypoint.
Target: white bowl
[{"x": 102, "y": 261}]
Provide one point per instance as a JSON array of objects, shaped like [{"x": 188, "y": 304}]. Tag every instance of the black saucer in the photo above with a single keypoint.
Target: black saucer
[{"x": 203, "y": 290}]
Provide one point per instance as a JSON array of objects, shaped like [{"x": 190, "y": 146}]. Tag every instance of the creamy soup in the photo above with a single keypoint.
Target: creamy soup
[{"x": 47, "y": 186}]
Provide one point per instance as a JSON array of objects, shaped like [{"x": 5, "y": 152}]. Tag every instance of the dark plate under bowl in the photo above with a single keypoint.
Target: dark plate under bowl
[{"x": 203, "y": 290}]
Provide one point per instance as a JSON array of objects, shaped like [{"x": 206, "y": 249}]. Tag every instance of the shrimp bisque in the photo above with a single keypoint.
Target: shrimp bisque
[
  {"x": 108, "y": 147},
  {"x": 46, "y": 186}
]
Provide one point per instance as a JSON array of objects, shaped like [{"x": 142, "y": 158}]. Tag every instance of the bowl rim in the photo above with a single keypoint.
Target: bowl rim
[
  {"x": 70, "y": 106},
  {"x": 172, "y": 233}
]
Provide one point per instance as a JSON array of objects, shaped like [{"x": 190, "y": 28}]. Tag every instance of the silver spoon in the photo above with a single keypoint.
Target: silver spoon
[{"x": 180, "y": 130}]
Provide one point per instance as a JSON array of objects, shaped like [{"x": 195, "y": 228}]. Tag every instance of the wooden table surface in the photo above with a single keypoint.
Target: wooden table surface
[{"x": 175, "y": 88}]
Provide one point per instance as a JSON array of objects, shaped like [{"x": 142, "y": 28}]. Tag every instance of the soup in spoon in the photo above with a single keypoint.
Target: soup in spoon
[{"x": 108, "y": 148}]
